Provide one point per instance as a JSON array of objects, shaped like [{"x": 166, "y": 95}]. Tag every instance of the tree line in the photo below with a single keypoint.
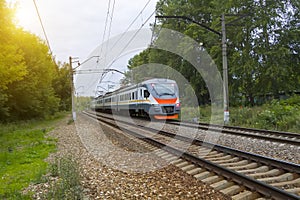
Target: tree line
[
  {"x": 262, "y": 46},
  {"x": 32, "y": 84}
]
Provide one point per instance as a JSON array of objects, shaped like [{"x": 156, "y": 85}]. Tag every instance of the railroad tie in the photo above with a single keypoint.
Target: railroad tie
[
  {"x": 283, "y": 177},
  {"x": 167, "y": 156},
  {"x": 212, "y": 156},
  {"x": 222, "y": 184},
  {"x": 246, "y": 195},
  {"x": 234, "y": 159},
  {"x": 294, "y": 190},
  {"x": 248, "y": 166},
  {"x": 175, "y": 162},
  {"x": 255, "y": 170},
  {"x": 273, "y": 172},
  {"x": 232, "y": 190},
  {"x": 203, "y": 175},
  {"x": 161, "y": 154},
  {"x": 188, "y": 167},
  {"x": 195, "y": 171},
  {"x": 242, "y": 162},
  {"x": 212, "y": 179},
  {"x": 295, "y": 182},
  {"x": 182, "y": 164},
  {"x": 170, "y": 159},
  {"x": 226, "y": 157}
]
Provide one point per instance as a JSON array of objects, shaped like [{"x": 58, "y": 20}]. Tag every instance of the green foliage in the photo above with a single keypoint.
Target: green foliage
[
  {"x": 62, "y": 87},
  {"x": 23, "y": 148},
  {"x": 281, "y": 115},
  {"x": 263, "y": 50},
  {"x": 32, "y": 85},
  {"x": 68, "y": 185}
]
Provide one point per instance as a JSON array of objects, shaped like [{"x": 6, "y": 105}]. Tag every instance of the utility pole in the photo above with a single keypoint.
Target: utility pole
[
  {"x": 224, "y": 55},
  {"x": 225, "y": 71},
  {"x": 72, "y": 86}
]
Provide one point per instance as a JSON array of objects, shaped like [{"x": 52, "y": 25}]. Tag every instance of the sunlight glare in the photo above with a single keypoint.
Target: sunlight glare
[{"x": 25, "y": 15}]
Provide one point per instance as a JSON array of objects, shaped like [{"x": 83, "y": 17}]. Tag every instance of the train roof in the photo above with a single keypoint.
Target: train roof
[
  {"x": 158, "y": 80},
  {"x": 149, "y": 81}
]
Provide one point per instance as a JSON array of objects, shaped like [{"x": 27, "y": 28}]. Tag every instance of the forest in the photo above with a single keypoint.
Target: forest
[
  {"x": 32, "y": 84},
  {"x": 263, "y": 44}
]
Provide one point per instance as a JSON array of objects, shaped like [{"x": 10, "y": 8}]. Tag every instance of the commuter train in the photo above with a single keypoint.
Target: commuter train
[{"x": 156, "y": 98}]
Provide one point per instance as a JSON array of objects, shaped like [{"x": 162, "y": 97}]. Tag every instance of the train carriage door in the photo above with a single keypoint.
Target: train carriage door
[
  {"x": 136, "y": 98},
  {"x": 117, "y": 102},
  {"x": 139, "y": 98}
]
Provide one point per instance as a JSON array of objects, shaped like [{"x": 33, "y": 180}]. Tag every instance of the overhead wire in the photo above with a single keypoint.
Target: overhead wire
[
  {"x": 128, "y": 43},
  {"x": 130, "y": 25},
  {"x": 109, "y": 29},
  {"x": 104, "y": 32},
  {"x": 43, "y": 28},
  {"x": 140, "y": 13},
  {"x": 131, "y": 39},
  {"x": 108, "y": 15}
]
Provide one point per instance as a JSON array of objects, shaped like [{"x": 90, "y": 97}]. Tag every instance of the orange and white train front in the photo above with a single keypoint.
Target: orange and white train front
[{"x": 164, "y": 99}]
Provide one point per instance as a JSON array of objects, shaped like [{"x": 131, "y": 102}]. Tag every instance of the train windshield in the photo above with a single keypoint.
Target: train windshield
[{"x": 164, "y": 88}]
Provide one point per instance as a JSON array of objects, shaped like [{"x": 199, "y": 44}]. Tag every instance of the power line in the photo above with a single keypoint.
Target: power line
[
  {"x": 40, "y": 19},
  {"x": 131, "y": 39},
  {"x": 109, "y": 29},
  {"x": 133, "y": 35},
  {"x": 106, "y": 21},
  {"x": 130, "y": 24},
  {"x": 105, "y": 26}
]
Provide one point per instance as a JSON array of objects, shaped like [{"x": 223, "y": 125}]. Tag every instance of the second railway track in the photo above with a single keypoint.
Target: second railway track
[
  {"x": 239, "y": 174},
  {"x": 274, "y": 136}
]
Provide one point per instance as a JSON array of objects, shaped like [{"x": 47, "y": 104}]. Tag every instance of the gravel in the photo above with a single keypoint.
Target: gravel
[
  {"x": 112, "y": 166},
  {"x": 281, "y": 151},
  {"x": 286, "y": 152}
]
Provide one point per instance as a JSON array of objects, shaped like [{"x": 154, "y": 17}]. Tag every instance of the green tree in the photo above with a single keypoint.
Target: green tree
[
  {"x": 62, "y": 86},
  {"x": 12, "y": 66},
  {"x": 263, "y": 47},
  {"x": 33, "y": 96},
  {"x": 32, "y": 85}
]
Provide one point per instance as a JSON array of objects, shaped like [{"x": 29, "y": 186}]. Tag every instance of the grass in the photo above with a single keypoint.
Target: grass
[
  {"x": 23, "y": 148},
  {"x": 68, "y": 185},
  {"x": 281, "y": 115}
]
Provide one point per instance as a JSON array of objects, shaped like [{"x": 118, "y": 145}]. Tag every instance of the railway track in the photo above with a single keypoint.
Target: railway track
[
  {"x": 239, "y": 174},
  {"x": 274, "y": 136}
]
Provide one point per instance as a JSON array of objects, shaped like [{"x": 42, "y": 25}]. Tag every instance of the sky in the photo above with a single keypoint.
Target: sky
[{"x": 76, "y": 28}]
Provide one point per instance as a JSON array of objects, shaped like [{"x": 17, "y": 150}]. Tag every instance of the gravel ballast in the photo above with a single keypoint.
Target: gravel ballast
[{"x": 107, "y": 175}]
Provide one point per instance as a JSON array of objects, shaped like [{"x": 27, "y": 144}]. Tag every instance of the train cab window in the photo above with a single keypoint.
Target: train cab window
[{"x": 146, "y": 93}]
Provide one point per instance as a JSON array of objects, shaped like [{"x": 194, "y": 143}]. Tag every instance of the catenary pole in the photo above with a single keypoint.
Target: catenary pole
[{"x": 225, "y": 71}]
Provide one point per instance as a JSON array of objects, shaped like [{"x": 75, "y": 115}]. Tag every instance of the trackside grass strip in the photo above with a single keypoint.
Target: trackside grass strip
[{"x": 23, "y": 148}]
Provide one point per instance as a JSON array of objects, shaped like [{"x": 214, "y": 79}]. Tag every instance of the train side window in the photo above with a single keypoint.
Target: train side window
[
  {"x": 146, "y": 93},
  {"x": 141, "y": 93},
  {"x": 132, "y": 95}
]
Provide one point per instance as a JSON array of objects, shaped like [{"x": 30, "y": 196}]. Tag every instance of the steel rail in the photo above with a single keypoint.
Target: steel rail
[
  {"x": 248, "y": 182},
  {"x": 223, "y": 129}
]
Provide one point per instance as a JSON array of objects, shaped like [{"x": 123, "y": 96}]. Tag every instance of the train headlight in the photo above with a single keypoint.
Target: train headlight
[
  {"x": 177, "y": 105},
  {"x": 156, "y": 107}
]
